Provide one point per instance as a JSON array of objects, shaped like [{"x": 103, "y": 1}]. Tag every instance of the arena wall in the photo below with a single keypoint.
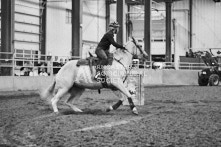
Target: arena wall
[
  {"x": 180, "y": 77},
  {"x": 10, "y": 83},
  {"x": 170, "y": 77},
  {"x": 151, "y": 77}
]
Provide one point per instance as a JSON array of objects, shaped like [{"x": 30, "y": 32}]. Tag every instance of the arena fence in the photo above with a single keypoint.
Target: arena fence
[{"x": 21, "y": 64}]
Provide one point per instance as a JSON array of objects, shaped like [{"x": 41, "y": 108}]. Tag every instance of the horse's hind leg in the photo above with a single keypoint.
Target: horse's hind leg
[
  {"x": 75, "y": 95},
  {"x": 57, "y": 97}
]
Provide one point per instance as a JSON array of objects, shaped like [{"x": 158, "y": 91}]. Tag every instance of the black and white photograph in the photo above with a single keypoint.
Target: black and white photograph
[{"x": 110, "y": 73}]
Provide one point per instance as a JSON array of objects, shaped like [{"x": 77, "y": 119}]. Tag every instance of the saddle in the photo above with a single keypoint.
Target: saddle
[
  {"x": 91, "y": 61},
  {"x": 94, "y": 61}
]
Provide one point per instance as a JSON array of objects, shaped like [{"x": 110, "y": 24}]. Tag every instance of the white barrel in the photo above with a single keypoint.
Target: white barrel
[{"x": 134, "y": 84}]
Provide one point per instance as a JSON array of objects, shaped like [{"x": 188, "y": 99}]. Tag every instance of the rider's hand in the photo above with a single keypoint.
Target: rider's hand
[{"x": 123, "y": 48}]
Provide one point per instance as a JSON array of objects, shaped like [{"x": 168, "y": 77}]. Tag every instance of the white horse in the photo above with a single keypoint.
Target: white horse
[{"x": 75, "y": 79}]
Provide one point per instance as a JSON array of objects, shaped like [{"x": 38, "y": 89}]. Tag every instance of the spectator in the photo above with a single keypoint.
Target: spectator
[
  {"x": 187, "y": 54},
  {"x": 61, "y": 62},
  {"x": 43, "y": 66},
  {"x": 33, "y": 72},
  {"x": 43, "y": 72},
  {"x": 24, "y": 71},
  {"x": 65, "y": 61},
  {"x": 56, "y": 66},
  {"x": 191, "y": 53}
]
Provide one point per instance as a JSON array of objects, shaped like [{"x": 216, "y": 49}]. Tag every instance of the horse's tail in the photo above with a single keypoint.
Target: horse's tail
[{"x": 48, "y": 91}]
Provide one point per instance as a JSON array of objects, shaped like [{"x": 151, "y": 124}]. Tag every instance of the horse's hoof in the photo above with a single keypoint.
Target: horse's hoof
[
  {"x": 109, "y": 109},
  {"x": 134, "y": 110},
  {"x": 56, "y": 113},
  {"x": 79, "y": 111}
]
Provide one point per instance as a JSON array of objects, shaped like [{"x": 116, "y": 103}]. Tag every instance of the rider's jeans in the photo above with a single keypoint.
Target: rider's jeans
[{"x": 103, "y": 56}]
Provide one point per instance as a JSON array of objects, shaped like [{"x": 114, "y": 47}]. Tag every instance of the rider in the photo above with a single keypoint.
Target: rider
[{"x": 102, "y": 50}]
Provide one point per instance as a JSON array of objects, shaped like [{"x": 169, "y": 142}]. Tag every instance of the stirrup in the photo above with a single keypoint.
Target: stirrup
[{"x": 97, "y": 76}]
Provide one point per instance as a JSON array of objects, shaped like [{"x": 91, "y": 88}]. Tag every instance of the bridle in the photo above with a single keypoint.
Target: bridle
[{"x": 137, "y": 47}]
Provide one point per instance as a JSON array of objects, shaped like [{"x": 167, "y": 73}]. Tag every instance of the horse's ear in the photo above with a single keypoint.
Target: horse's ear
[
  {"x": 130, "y": 38},
  {"x": 133, "y": 38}
]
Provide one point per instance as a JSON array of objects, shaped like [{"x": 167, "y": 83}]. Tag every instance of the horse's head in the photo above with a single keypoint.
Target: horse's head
[{"x": 135, "y": 48}]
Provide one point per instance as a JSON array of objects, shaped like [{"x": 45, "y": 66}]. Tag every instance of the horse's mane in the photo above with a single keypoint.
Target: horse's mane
[{"x": 120, "y": 51}]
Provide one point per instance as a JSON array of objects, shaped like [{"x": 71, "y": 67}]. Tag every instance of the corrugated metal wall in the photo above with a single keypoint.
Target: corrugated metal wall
[
  {"x": 206, "y": 24},
  {"x": 58, "y": 35},
  {"x": 94, "y": 25},
  {"x": 181, "y": 29},
  {"x": 59, "y": 30},
  {"x": 27, "y": 25},
  {"x": 94, "y": 22}
]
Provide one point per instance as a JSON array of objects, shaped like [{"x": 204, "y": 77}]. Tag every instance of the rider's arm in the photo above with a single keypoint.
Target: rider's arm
[{"x": 111, "y": 39}]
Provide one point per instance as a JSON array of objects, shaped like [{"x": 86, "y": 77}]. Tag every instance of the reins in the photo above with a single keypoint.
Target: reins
[
  {"x": 130, "y": 67},
  {"x": 127, "y": 73},
  {"x": 137, "y": 46}
]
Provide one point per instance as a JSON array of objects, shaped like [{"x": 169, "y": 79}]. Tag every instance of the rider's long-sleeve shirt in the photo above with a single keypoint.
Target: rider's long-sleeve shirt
[{"x": 107, "y": 40}]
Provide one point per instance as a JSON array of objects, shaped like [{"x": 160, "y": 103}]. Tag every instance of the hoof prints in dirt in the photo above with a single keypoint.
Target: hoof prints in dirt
[
  {"x": 5, "y": 145},
  {"x": 85, "y": 112},
  {"x": 173, "y": 117}
]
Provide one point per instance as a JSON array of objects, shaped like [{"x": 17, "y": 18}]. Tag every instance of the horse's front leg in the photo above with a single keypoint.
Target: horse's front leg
[
  {"x": 119, "y": 103},
  {"x": 120, "y": 85}
]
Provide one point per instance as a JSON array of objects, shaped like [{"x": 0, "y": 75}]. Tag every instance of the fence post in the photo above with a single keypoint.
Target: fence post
[{"x": 13, "y": 64}]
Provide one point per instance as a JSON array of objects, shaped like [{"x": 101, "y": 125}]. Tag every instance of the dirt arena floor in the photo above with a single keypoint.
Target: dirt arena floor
[{"x": 173, "y": 116}]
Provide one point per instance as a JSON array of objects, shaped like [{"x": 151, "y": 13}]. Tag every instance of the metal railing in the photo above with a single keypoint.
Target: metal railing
[
  {"x": 12, "y": 65},
  {"x": 170, "y": 65}
]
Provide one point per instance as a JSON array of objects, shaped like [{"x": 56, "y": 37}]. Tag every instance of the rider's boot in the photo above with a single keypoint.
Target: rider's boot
[{"x": 98, "y": 75}]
